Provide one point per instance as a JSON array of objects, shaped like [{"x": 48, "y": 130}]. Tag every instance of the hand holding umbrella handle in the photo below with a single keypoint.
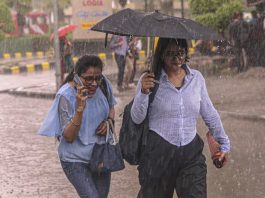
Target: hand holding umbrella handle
[{"x": 148, "y": 82}]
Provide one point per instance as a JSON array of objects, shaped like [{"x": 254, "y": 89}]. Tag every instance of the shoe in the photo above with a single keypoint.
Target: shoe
[
  {"x": 120, "y": 88},
  {"x": 132, "y": 85},
  {"x": 127, "y": 87}
]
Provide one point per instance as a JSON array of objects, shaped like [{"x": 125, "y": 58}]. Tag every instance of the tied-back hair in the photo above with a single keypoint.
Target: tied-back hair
[
  {"x": 83, "y": 63},
  {"x": 158, "y": 62}
]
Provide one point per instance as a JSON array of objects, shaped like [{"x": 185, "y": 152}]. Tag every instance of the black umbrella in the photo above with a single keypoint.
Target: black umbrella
[{"x": 128, "y": 22}]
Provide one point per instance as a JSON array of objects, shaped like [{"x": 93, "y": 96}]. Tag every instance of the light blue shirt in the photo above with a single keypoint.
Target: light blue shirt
[
  {"x": 96, "y": 110},
  {"x": 121, "y": 50},
  {"x": 173, "y": 114}
]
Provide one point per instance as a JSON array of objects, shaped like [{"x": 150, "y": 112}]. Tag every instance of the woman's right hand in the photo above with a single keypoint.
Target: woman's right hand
[
  {"x": 81, "y": 97},
  {"x": 148, "y": 82}
]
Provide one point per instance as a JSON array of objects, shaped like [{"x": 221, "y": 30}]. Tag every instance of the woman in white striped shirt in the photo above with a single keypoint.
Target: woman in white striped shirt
[{"x": 173, "y": 156}]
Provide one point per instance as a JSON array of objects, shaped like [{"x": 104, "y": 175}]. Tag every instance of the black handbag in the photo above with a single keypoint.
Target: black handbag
[{"x": 107, "y": 157}]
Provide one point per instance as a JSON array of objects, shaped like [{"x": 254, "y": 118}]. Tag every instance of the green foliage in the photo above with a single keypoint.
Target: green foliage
[
  {"x": 2, "y": 35},
  {"x": 24, "y": 44},
  {"x": 199, "y": 7},
  {"x": 215, "y": 13},
  {"x": 22, "y": 6},
  {"x": 62, "y": 4},
  {"x": 6, "y": 24}
]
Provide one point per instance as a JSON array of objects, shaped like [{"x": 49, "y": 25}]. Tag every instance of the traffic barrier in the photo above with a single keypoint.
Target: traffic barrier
[
  {"x": 6, "y": 56},
  {"x": 14, "y": 70},
  {"x": 142, "y": 54},
  {"x": 142, "y": 58},
  {"x": 40, "y": 54},
  {"x": 29, "y": 54},
  {"x": 45, "y": 66},
  {"x": 75, "y": 59},
  {"x": 102, "y": 56},
  {"x": 191, "y": 50},
  {"x": 18, "y": 55},
  {"x": 30, "y": 68}
]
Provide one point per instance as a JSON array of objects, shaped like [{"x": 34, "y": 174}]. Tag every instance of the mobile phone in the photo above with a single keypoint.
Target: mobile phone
[
  {"x": 78, "y": 81},
  {"x": 218, "y": 163}
]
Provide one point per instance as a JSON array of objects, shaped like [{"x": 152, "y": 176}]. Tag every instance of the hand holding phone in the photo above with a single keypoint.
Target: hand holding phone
[{"x": 79, "y": 82}]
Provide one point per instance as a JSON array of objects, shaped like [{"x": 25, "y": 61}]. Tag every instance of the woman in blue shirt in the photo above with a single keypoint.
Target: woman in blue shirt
[
  {"x": 173, "y": 156},
  {"x": 78, "y": 118}
]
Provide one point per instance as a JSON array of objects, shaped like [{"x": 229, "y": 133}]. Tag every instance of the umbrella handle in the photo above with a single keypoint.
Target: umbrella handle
[
  {"x": 150, "y": 55},
  {"x": 106, "y": 40}
]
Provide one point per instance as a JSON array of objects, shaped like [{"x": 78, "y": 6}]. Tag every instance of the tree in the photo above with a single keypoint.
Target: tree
[
  {"x": 62, "y": 4},
  {"x": 6, "y": 24},
  {"x": 216, "y": 14},
  {"x": 21, "y": 6}
]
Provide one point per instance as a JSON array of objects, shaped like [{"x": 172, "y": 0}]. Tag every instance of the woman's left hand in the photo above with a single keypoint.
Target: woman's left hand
[
  {"x": 222, "y": 156},
  {"x": 102, "y": 128}
]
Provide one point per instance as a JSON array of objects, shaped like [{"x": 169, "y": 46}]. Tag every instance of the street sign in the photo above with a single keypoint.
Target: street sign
[{"x": 87, "y": 13}]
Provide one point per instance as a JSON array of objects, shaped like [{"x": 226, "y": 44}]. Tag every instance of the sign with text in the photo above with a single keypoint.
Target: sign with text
[{"x": 87, "y": 13}]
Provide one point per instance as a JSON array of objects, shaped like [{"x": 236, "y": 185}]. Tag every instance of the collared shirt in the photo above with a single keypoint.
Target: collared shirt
[
  {"x": 63, "y": 109},
  {"x": 173, "y": 113},
  {"x": 121, "y": 50}
]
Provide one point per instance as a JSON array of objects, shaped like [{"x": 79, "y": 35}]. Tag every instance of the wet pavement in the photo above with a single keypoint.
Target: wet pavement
[{"x": 30, "y": 167}]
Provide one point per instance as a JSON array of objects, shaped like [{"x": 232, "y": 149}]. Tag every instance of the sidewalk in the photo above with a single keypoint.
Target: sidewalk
[{"x": 43, "y": 84}]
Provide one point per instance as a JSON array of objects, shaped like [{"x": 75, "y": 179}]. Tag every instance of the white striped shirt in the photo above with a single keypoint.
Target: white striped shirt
[{"x": 173, "y": 113}]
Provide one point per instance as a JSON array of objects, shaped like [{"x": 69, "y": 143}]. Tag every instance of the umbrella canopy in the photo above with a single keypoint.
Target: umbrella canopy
[
  {"x": 154, "y": 24},
  {"x": 63, "y": 31}
]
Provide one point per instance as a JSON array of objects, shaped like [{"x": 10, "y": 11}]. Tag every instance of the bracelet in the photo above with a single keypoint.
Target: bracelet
[{"x": 74, "y": 124}]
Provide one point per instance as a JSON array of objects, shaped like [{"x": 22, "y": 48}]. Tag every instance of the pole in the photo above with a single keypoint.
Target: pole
[
  {"x": 56, "y": 46},
  {"x": 182, "y": 8},
  {"x": 146, "y": 9},
  {"x": 145, "y": 5}
]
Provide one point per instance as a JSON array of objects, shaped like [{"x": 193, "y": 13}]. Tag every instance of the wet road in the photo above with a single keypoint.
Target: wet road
[{"x": 29, "y": 165}]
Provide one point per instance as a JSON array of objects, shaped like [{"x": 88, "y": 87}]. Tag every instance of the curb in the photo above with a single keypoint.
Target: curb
[
  {"x": 31, "y": 94},
  {"x": 27, "y": 54},
  {"x": 23, "y": 91},
  {"x": 28, "y": 68}
]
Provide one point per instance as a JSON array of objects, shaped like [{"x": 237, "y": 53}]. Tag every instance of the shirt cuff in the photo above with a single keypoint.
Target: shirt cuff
[{"x": 141, "y": 97}]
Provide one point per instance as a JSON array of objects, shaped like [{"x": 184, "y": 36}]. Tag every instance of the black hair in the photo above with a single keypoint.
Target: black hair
[
  {"x": 83, "y": 63},
  {"x": 158, "y": 62}
]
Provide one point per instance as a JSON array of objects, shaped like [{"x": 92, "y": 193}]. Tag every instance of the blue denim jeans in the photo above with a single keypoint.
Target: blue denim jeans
[
  {"x": 120, "y": 60},
  {"x": 86, "y": 183}
]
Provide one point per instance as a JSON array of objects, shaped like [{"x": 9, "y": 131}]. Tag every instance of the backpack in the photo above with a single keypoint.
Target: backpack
[
  {"x": 133, "y": 137},
  {"x": 104, "y": 88}
]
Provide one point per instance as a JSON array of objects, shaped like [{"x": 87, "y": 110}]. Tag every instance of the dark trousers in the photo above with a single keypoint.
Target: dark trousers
[
  {"x": 133, "y": 71},
  {"x": 120, "y": 60},
  {"x": 166, "y": 167},
  {"x": 241, "y": 59}
]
